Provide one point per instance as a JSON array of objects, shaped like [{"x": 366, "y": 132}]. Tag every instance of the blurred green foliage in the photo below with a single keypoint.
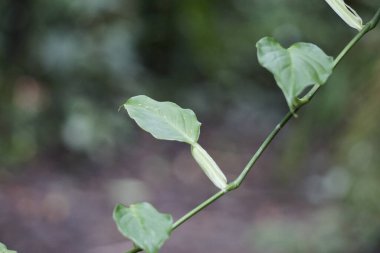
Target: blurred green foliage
[{"x": 66, "y": 66}]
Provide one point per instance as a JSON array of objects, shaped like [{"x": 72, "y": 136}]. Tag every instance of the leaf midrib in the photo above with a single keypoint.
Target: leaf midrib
[{"x": 165, "y": 119}]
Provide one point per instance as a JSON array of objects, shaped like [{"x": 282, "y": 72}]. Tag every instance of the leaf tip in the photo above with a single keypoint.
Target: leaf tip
[
  {"x": 117, "y": 210},
  {"x": 263, "y": 40}
]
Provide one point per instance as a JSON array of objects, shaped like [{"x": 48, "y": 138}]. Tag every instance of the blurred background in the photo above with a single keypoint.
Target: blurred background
[{"x": 68, "y": 154}]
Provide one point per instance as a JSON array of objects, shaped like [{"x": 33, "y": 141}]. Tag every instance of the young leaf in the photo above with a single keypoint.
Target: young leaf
[
  {"x": 164, "y": 120},
  {"x": 348, "y": 14},
  {"x": 3, "y": 249},
  {"x": 168, "y": 121},
  {"x": 209, "y": 166},
  {"x": 144, "y": 225},
  {"x": 295, "y": 68}
]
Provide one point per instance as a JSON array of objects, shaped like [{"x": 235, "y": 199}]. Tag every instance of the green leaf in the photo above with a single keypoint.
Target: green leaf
[
  {"x": 295, "y": 68},
  {"x": 144, "y": 225},
  {"x": 164, "y": 120},
  {"x": 3, "y": 249}
]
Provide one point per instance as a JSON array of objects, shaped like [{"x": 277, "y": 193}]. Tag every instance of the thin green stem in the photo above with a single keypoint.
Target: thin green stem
[
  {"x": 134, "y": 250},
  {"x": 368, "y": 27},
  {"x": 199, "y": 208},
  {"x": 237, "y": 182},
  {"x": 190, "y": 214}
]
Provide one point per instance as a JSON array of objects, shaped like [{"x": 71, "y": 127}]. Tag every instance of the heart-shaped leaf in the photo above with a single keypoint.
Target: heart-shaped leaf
[
  {"x": 295, "y": 68},
  {"x": 3, "y": 249},
  {"x": 164, "y": 120},
  {"x": 144, "y": 225}
]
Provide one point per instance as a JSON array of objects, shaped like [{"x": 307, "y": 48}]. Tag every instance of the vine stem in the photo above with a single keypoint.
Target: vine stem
[
  {"x": 238, "y": 181},
  {"x": 134, "y": 250}
]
